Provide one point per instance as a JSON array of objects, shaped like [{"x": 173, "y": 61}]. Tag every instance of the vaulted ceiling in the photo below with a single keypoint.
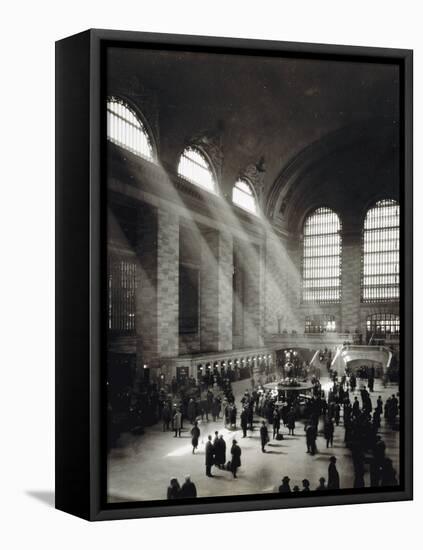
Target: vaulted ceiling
[{"x": 291, "y": 112}]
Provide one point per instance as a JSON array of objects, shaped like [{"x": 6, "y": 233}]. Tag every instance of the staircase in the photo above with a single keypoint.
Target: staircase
[{"x": 346, "y": 354}]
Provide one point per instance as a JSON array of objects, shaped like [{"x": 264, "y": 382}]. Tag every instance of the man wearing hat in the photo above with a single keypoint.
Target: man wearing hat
[
  {"x": 285, "y": 488},
  {"x": 188, "y": 489},
  {"x": 264, "y": 436},
  {"x": 333, "y": 476},
  {"x": 236, "y": 457},
  {"x": 322, "y": 486},
  {"x": 209, "y": 456}
]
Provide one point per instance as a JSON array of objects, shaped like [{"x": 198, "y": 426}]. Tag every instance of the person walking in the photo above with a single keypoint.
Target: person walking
[
  {"x": 188, "y": 489},
  {"x": 166, "y": 417},
  {"x": 291, "y": 421},
  {"x": 177, "y": 423},
  {"x": 311, "y": 435},
  {"x": 209, "y": 456},
  {"x": 195, "y": 436},
  {"x": 333, "y": 476},
  {"x": 276, "y": 424},
  {"x": 236, "y": 457},
  {"x": 192, "y": 411},
  {"x": 244, "y": 421},
  {"x": 328, "y": 429},
  {"x": 264, "y": 436}
]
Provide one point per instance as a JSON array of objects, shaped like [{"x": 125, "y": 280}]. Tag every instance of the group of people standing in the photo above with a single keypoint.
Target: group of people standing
[
  {"x": 216, "y": 455},
  {"x": 332, "y": 484}
]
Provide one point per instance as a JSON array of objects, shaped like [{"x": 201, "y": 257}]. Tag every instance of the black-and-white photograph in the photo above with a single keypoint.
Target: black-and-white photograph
[{"x": 253, "y": 275}]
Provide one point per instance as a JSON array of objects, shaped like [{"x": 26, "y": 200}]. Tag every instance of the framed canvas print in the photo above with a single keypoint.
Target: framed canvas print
[{"x": 234, "y": 275}]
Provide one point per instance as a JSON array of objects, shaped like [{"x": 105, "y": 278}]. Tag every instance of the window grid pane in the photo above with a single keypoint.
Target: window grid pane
[
  {"x": 121, "y": 295},
  {"x": 194, "y": 168},
  {"x": 319, "y": 323},
  {"x": 126, "y": 130},
  {"x": 381, "y": 325},
  {"x": 380, "y": 259},
  {"x": 322, "y": 257}
]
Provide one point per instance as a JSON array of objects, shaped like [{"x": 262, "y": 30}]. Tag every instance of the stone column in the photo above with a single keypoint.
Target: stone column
[
  {"x": 351, "y": 282},
  {"x": 157, "y": 287}
]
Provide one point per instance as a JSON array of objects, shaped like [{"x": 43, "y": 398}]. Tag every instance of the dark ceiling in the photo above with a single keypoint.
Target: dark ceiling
[{"x": 256, "y": 106}]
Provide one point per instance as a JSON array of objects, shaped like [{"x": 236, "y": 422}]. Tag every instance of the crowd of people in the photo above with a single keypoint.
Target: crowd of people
[{"x": 346, "y": 405}]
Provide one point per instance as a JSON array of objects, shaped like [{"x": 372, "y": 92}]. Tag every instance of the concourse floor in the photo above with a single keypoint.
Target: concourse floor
[{"x": 141, "y": 466}]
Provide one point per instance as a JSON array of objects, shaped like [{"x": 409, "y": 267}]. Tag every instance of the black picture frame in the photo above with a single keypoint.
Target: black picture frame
[{"x": 80, "y": 243}]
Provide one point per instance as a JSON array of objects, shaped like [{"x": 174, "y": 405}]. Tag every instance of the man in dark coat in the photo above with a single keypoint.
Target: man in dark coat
[
  {"x": 356, "y": 407},
  {"x": 195, "y": 434},
  {"x": 244, "y": 422},
  {"x": 192, "y": 411},
  {"x": 188, "y": 489},
  {"x": 236, "y": 457},
  {"x": 264, "y": 436},
  {"x": 166, "y": 417},
  {"x": 220, "y": 452},
  {"x": 209, "y": 456},
  {"x": 276, "y": 423},
  {"x": 285, "y": 488},
  {"x": 311, "y": 434},
  {"x": 333, "y": 476},
  {"x": 328, "y": 429}
]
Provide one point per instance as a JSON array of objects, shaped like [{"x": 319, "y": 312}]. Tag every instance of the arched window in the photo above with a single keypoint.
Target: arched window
[
  {"x": 322, "y": 257},
  {"x": 243, "y": 196},
  {"x": 194, "y": 167},
  {"x": 126, "y": 130},
  {"x": 380, "y": 260},
  {"x": 382, "y": 326}
]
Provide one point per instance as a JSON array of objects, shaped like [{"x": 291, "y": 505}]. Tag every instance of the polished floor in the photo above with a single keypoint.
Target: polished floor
[{"x": 141, "y": 466}]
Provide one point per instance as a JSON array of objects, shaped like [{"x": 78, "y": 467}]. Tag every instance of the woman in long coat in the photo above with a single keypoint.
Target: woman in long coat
[
  {"x": 177, "y": 423},
  {"x": 333, "y": 476},
  {"x": 290, "y": 419},
  {"x": 220, "y": 452},
  {"x": 328, "y": 431},
  {"x": 195, "y": 433},
  {"x": 236, "y": 457}
]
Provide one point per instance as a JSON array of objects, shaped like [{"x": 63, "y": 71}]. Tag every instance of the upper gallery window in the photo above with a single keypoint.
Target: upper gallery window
[
  {"x": 322, "y": 257},
  {"x": 126, "y": 129},
  {"x": 243, "y": 196},
  {"x": 380, "y": 260},
  {"x": 194, "y": 167}
]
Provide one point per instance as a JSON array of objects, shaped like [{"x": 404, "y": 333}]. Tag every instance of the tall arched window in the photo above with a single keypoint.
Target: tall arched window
[
  {"x": 322, "y": 257},
  {"x": 380, "y": 260},
  {"x": 243, "y": 196},
  {"x": 194, "y": 167},
  {"x": 126, "y": 130}
]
